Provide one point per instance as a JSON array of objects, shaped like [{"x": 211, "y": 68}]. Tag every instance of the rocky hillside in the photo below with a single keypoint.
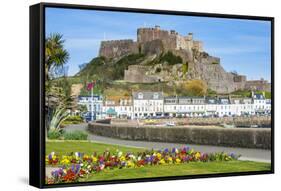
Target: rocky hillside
[{"x": 168, "y": 66}]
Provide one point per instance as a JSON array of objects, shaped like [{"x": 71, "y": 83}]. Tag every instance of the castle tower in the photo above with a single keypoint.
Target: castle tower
[{"x": 190, "y": 36}]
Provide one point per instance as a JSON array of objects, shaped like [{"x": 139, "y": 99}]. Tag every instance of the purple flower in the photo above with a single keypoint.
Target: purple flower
[
  {"x": 123, "y": 163},
  {"x": 77, "y": 170},
  {"x": 57, "y": 173},
  {"x": 166, "y": 150},
  {"x": 73, "y": 168}
]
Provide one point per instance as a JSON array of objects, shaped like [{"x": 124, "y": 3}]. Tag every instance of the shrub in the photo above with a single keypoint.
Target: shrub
[
  {"x": 215, "y": 63},
  {"x": 75, "y": 135},
  {"x": 185, "y": 68},
  {"x": 194, "y": 88},
  {"x": 54, "y": 134},
  {"x": 170, "y": 58},
  {"x": 73, "y": 120}
]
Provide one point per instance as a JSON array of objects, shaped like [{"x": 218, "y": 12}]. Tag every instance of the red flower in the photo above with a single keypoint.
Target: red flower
[
  {"x": 107, "y": 164},
  {"x": 141, "y": 163},
  {"x": 70, "y": 176}
]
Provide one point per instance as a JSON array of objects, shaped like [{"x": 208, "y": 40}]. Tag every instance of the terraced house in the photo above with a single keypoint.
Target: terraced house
[{"x": 145, "y": 104}]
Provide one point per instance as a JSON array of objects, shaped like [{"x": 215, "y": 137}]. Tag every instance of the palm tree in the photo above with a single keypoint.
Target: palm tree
[
  {"x": 57, "y": 99},
  {"x": 55, "y": 54}
]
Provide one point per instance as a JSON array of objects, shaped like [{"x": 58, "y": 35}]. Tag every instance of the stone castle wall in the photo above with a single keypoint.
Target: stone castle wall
[
  {"x": 146, "y": 37},
  {"x": 261, "y": 85},
  {"x": 116, "y": 48},
  {"x": 137, "y": 74},
  {"x": 171, "y": 39}
]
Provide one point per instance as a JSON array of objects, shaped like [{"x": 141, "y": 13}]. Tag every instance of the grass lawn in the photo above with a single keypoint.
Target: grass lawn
[
  {"x": 65, "y": 147},
  {"x": 192, "y": 168},
  {"x": 179, "y": 170}
]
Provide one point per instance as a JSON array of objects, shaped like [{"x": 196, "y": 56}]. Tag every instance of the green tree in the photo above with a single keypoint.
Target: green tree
[
  {"x": 55, "y": 54},
  {"x": 58, "y": 99}
]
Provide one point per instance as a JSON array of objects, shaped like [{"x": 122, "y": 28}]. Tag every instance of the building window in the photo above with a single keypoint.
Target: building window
[
  {"x": 140, "y": 95},
  {"x": 155, "y": 96}
]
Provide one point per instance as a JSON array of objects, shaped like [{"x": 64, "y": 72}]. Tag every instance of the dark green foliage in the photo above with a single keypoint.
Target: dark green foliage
[
  {"x": 215, "y": 63},
  {"x": 248, "y": 93},
  {"x": 242, "y": 93},
  {"x": 92, "y": 67},
  {"x": 158, "y": 70},
  {"x": 109, "y": 70},
  {"x": 185, "y": 68},
  {"x": 76, "y": 119},
  {"x": 123, "y": 64},
  {"x": 54, "y": 134},
  {"x": 211, "y": 93},
  {"x": 170, "y": 58},
  {"x": 75, "y": 135}
]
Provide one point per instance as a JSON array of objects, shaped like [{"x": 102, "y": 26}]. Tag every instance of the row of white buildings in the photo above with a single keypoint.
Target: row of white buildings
[{"x": 145, "y": 104}]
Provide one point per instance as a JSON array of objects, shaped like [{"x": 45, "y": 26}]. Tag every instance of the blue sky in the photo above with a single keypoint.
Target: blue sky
[{"x": 242, "y": 45}]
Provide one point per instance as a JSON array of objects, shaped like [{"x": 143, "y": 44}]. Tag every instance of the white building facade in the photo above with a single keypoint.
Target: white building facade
[
  {"x": 154, "y": 104},
  {"x": 96, "y": 101},
  {"x": 147, "y": 104}
]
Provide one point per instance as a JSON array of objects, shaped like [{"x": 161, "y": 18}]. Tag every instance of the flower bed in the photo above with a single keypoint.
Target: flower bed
[{"x": 78, "y": 165}]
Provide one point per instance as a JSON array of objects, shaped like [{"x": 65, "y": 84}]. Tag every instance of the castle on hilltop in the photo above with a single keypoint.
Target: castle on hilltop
[
  {"x": 201, "y": 65},
  {"x": 150, "y": 40}
]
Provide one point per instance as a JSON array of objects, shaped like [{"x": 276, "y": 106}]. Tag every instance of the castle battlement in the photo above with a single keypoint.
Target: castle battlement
[
  {"x": 116, "y": 41},
  {"x": 170, "y": 39}
]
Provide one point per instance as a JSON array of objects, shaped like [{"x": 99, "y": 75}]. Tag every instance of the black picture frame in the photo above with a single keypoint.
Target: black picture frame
[{"x": 37, "y": 101}]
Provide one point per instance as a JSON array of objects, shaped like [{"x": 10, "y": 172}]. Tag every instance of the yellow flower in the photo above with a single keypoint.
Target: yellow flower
[
  {"x": 178, "y": 160},
  {"x": 86, "y": 157},
  {"x": 65, "y": 161},
  {"x": 130, "y": 164},
  {"x": 162, "y": 161},
  {"x": 94, "y": 159},
  {"x": 170, "y": 159},
  {"x": 197, "y": 155},
  {"x": 158, "y": 155},
  {"x": 122, "y": 158}
]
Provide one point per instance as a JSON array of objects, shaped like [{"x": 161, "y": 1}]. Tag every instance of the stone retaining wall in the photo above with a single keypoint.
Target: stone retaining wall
[
  {"x": 232, "y": 137},
  {"x": 264, "y": 121}
]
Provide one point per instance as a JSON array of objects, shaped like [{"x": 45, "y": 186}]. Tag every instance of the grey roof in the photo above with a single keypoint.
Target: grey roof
[
  {"x": 223, "y": 101},
  {"x": 211, "y": 100},
  {"x": 148, "y": 95},
  {"x": 258, "y": 96}
]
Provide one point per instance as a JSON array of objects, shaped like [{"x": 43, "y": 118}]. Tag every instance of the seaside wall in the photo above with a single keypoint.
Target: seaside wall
[{"x": 231, "y": 137}]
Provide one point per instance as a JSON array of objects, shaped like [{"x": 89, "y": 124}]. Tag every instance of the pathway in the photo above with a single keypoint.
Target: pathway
[{"x": 259, "y": 155}]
